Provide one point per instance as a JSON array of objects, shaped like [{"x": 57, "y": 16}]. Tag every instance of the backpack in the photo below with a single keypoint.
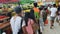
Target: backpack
[{"x": 20, "y": 30}]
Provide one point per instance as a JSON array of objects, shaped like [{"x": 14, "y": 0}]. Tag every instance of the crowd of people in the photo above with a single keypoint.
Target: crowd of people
[{"x": 30, "y": 22}]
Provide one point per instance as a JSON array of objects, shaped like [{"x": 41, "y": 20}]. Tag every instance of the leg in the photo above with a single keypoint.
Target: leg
[
  {"x": 52, "y": 22},
  {"x": 39, "y": 28},
  {"x": 0, "y": 31},
  {"x": 59, "y": 20}
]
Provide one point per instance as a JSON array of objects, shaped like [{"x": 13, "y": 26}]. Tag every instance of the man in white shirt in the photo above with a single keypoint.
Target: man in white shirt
[
  {"x": 53, "y": 14},
  {"x": 16, "y": 21}
]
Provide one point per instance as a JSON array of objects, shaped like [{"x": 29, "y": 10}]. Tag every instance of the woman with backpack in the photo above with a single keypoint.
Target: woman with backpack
[{"x": 17, "y": 22}]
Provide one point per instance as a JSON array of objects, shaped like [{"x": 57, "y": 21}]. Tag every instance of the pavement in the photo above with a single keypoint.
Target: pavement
[{"x": 55, "y": 30}]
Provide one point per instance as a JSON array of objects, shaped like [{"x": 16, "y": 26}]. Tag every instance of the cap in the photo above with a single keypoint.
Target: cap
[{"x": 18, "y": 9}]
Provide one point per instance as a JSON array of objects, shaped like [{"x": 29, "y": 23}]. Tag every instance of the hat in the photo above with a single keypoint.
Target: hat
[{"x": 18, "y": 9}]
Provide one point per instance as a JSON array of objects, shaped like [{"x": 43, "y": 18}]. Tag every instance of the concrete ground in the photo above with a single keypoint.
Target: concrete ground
[{"x": 55, "y": 30}]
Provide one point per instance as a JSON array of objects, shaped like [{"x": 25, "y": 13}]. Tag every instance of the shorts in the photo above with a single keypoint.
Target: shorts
[{"x": 52, "y": 18}]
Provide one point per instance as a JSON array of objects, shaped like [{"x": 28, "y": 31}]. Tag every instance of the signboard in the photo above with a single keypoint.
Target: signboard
[{"x": 7, "y": 1}]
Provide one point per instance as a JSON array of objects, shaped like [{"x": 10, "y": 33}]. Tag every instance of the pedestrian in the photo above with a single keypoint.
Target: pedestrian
[
  {"x": 37, "y": 15},
  {"x": 58, "y": 13},
  {"x": 45, "y": 14},
  {"x": 41, "y": 19},
  {"x": 29, "y": 21},
  {"x": 53, "y": 14},
  {"x": 17, "y": 24}
]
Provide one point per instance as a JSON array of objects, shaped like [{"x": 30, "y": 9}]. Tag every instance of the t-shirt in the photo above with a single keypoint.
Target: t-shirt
[
  {"x": 15, "y": 24},
  {"x": 53, "y": 11},
  {"x": 36, "y": 9},
  {"x": 36, "y": 12}
]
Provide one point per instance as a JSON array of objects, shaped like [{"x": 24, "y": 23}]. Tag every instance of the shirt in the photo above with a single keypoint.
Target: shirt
[
  {"x": 15, "y": 24},
  {"x": 36, "y": 9},
  {"x": 53, "y": 11}
]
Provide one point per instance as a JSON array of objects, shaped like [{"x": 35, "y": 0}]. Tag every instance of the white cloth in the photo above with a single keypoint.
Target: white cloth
[
  {"x": 53, "y": 11},
  {"x": 15, "y": 24},
  {"x": 49, "y": 8}
]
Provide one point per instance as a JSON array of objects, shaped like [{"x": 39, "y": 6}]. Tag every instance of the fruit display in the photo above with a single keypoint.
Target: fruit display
[
  {"x": 27, "y": 10},
  {"x": 27, "y": 6},
  {"x": 0, "y": 10},
  {"x": 1, "y": 17}
]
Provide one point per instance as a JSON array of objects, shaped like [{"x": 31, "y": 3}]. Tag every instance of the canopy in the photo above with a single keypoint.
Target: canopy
[{"x": 8, "y": 1}]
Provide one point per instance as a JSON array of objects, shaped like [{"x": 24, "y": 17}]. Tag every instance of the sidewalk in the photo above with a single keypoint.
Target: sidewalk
[{"x": 55, "y": 30}]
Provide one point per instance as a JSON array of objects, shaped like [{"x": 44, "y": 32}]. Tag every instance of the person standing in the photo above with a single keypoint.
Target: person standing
[
  {"x": 53, "y": 14},
  {"x": 16, "y": 21}
]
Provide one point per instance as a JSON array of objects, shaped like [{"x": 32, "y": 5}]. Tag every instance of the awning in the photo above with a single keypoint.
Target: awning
[{"x": 8, "y": 1}]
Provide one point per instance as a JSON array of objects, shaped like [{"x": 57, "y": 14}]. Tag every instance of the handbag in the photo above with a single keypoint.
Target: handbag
[{"x": 35, "y": 26}]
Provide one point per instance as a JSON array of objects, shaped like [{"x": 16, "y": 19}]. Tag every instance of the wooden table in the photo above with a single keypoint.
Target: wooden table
[
  {"x": 3, "y": 26},
  {"x": 5, "y": 19}
]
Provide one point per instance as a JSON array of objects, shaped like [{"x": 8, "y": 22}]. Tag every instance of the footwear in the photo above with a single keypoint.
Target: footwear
[
  {"x": 59, "y": 23},
  {"x": 51, "y": 27}
]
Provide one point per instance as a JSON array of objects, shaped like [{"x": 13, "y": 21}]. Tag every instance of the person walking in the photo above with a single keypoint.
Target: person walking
[
  {"x": 53, "y": 14},
  {"x": 16, "y": 21},
  {"x": 36, "y": 13},
  {"x": 29, "y": 22},
  {"x": 41, "y": 19}
]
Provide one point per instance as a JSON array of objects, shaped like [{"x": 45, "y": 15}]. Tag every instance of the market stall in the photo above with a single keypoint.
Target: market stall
[
  {"x": 4, "y": 24},
  {"x": 5, "y": 15},
  {"x": 5, "y": 27}
]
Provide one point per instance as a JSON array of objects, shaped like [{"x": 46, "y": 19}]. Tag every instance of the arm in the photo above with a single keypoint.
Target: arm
[{"x": 24, "y": 27}]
